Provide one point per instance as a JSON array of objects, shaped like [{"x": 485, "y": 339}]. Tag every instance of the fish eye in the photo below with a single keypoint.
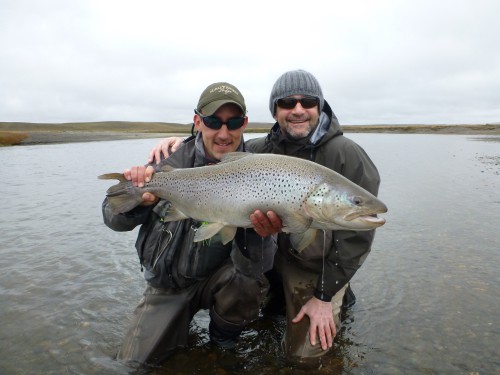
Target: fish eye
[{"x": 357, "y": 201}]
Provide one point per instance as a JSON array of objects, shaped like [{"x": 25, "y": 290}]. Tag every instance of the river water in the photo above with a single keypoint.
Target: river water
[{"x": 428, "y": 296}]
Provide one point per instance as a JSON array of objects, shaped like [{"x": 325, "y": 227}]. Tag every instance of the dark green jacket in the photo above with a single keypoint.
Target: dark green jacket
[
  {"x": 346, "y": 250},
  {"x": 166, "y": 250}
]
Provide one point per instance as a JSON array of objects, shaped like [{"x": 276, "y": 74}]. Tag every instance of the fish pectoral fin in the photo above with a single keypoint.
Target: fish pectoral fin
[
  {"x": 173, "y": 214},
  {"x": 300, "y": 241},
  {"x": 232, "y": 156},
  {"x": 227, "y": 234},
  {"x": 295, "y": 223},
  {"x": 207, "y": 231}
]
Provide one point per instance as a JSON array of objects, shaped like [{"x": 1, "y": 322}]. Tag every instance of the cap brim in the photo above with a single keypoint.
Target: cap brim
[{"x": 212, "y": 107}]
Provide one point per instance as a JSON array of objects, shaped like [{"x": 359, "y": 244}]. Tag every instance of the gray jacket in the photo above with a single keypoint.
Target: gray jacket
[
  {"x": 167, "y": 253},
  {"x": 345, "y": 250}
]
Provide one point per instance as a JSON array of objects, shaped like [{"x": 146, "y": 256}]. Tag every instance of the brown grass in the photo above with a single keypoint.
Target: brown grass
[{"x": 12, "y": 138}]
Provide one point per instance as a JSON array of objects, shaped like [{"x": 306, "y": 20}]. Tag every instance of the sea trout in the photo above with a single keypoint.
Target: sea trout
[{"x": 307, "y": 196}]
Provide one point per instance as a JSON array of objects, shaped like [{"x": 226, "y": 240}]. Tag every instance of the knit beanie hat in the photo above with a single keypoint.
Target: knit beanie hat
[{"x": 295, "y": 82}]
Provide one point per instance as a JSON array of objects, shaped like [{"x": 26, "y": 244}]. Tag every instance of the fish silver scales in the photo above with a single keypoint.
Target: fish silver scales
[{"x": 306, "y": 195}]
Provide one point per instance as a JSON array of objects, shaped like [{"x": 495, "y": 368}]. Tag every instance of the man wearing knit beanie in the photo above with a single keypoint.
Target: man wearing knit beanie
[
  {"x": 293, "y": 83},
  {"x": 314, "y": 281}
]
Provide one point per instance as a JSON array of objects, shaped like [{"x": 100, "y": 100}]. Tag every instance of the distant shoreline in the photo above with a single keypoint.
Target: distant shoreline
[{"x": 16, "y": 133}]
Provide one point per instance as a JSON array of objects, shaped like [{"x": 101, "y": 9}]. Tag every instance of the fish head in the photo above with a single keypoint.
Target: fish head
[{"x": 344, "y": 207}]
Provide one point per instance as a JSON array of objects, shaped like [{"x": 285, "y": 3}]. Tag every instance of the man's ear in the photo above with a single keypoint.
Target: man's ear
[{"x": 197, "y": 122}]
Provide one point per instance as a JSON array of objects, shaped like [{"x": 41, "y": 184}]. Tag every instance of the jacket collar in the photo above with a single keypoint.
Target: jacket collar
[{"x": 201, "y": 159}]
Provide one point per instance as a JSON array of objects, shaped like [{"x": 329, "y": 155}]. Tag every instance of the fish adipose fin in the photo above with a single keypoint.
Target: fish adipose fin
[
  {"x": 123, "y": 196},
  {"x": 300, "y": 241}
]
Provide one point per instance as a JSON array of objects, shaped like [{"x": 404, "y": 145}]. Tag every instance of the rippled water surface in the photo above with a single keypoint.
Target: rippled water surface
[{"x": 428, "y": 294}]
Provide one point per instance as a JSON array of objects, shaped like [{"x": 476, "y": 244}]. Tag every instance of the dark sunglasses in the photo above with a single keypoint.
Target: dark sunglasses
[
  {"x": 290, "y": 103},
  {"x": 216, "y": 123}
]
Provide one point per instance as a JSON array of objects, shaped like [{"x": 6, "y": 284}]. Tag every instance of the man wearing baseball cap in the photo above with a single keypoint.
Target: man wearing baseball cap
[
  {"x": 311, "y": 286},
  {"x": 183, "y": 276}
]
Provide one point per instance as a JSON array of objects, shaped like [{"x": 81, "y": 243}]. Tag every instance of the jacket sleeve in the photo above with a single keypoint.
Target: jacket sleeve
[
  {"x": 252, "y": 254},
  {"x": 349, "y": 248},
  {"x": 126, "y": 221}
]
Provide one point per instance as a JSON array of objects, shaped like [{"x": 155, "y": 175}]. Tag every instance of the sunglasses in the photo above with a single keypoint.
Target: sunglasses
[
  {"x": 290, "y": 103},
  {"x": 216, "y": 123}
]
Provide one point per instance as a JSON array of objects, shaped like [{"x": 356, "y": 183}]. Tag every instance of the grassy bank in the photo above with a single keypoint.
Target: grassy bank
[{"x": 25, "y": 133}]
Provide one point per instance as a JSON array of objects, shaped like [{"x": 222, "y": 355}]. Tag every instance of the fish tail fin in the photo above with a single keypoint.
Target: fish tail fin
[{"x": 123, "y": 196}]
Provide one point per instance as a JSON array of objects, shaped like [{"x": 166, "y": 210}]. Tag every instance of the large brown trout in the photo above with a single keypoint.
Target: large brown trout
[{"x": 307, "y": 196}]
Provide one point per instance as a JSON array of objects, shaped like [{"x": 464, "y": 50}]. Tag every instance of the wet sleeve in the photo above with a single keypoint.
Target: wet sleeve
[
  {"x": 252, "y": 254},
  {"x": 348, "y": 252},
  {"x": 349, "y": 248},
  {"x": 127, "y": 221}
]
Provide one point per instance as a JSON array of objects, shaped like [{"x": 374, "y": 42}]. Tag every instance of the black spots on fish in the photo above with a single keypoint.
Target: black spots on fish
[
  {"x": 276, "y": 186},
  {"x": 318, "y": 195}
]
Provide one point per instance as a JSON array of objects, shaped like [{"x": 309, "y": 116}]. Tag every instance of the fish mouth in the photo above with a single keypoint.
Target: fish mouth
[
  {"x": 378, "y": 221},
  {"x": 368, "y": 216},
  {"x": 370, "y": 219}
]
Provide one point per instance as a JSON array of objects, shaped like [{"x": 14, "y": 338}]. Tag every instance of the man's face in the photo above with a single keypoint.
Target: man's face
[
  {"x": 297, "y": 122},
  {"x": 221, "y": 141}
]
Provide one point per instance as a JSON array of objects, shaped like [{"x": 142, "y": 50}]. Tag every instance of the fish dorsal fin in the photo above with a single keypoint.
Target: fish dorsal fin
[
  {"x": 300, "y": 241},
  {"x": 233, "y": 156},
  {"x": 207, "y": 231},
  {"x": 166, "y": 168}
]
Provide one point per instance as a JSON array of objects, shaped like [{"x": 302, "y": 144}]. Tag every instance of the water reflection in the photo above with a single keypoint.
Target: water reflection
[{"x": 428, "y": 295}]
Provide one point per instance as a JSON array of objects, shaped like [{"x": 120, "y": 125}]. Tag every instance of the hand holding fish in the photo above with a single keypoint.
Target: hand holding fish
[
  {"x": 321, "y": 322},
  {"x": 266, "y": 224},
  {"x": 139, "y": 175}
]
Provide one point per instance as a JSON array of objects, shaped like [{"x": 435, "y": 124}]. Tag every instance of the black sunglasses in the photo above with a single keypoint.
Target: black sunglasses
[
  {"x": 216, "y": 123},
  {"x": 290, "y": 103}
]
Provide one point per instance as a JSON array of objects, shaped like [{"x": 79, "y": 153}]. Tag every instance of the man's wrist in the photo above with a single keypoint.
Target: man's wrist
[{"x": 322, "y": 296}]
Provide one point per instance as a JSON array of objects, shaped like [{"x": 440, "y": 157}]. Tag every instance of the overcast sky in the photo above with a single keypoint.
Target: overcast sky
[{"x": 378, "y": 61}]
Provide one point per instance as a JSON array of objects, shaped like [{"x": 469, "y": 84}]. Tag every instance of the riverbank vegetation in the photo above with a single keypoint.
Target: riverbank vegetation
[{"x": 24, "y": 133}]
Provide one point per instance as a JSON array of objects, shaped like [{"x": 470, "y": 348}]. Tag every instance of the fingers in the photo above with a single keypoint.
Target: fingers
[
  {"x": 321, "y": 323},
  {"x": 299, "y": 316},
  {"x": 152, "y": 156},
  {"x": 149, "y": 199},
  {"x": 275, "y": 221},
  {"x": 159, "y": 149},
  {"x": 177, "y": 143},
  {"x": 324, "y": 334},
  {"x": 164, "y": 149},
  {"x": 139, "y": 175},
  {"x": 148, "y": 174},
  {"x": 265, "y": 224}
]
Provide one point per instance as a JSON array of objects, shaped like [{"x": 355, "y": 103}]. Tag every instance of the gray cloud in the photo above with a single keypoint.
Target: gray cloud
[{"x": 389, "y": 62}]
